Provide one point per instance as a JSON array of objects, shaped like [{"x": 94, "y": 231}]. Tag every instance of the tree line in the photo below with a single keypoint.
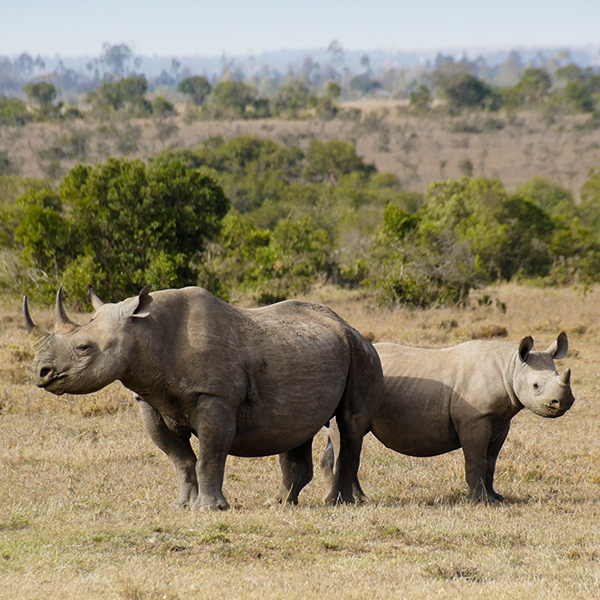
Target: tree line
[
  {"x": 117, "y": 85},
  {"x": 252, "y": 216}
]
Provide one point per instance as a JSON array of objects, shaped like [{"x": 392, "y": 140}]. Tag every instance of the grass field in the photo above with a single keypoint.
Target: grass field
[{"x": 85, "y": 497}]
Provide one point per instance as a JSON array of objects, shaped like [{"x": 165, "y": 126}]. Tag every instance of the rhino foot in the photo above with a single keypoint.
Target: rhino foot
[
  {"x": 486, "y": 497},
  {"x": 186, "y": 499},
  {"x": 285, "y": 496},
  {"x": 333, "y": 499},
  {"x": 212, "y": 505}
]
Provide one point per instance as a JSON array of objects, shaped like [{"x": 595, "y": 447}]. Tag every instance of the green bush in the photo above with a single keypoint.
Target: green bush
[
  {"x": 122, "y": 224},
  {"x": 13, "y": 111}
]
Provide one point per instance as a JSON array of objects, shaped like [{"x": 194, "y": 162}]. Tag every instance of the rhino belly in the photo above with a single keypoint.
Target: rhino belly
[
  {"x": 414, "y": 418},
  {"x": 265, "y": 428}
]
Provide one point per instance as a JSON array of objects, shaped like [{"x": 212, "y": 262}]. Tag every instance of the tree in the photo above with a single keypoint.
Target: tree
[
  {"x": 197, "y": 87},
  {"x": 275, "y": 264},
  {"x": 421, "y": 98},
  {"x": 128, "y": 225},
  {"x": 162, "y": 107},
  {"x": 42, "y": 233},
  {"x": 232, "y": 98},
  {"x": 292, "y": 98},
  {"x": 533, "y": 88},
  {"x": 468, "y": 92},
  {"x": 13, "y": 111},
  {"x": 328, "y": 161},
  {"x": 116, "y": 58},
  {"x": 43, "y": 94},
  {"x": 114, "y": 95},
  {"x": 549, "y": 195}
]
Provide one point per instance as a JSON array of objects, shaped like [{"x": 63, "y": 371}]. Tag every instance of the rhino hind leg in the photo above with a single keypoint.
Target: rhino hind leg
[
  {"x": 297, "y": 472},
  {"x": 354, "y": 416},
  {"x": 353, "y": 426},
  {"x": 177, "y": 448},
  {"x": 327, "y": 464}
]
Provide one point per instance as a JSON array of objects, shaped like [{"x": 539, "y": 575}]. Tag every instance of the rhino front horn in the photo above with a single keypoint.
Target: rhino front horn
[
  {"x": 36, "y": 335},
  {"x": 565, "y": 378}
]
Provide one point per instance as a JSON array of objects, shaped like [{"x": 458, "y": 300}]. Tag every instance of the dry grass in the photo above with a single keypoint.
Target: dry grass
[
  {"x": 419, "y": 150},
  {"x": 85, "y": 496}
]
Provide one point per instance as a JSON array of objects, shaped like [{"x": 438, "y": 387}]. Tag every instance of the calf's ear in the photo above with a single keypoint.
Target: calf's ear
[
  {"x": 559, "y": 348},
  {"x": 525, "y": 347}
]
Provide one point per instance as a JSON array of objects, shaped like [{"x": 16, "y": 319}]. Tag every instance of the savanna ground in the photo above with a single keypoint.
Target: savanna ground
[
  {"x": 511, "y": 146},
  {"x": 85, "y": 501}
]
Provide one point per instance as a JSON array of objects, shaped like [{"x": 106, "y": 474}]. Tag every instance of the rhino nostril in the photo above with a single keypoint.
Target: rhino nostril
[
  {"x": 45, "y": 372},
  {"x": 554, "y": 403}
]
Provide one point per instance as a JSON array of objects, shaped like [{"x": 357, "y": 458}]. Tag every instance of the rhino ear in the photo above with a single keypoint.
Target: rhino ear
[
  {"x": 525, "y": 347},
  {"x": 94, "y": 298},
  {"x": 560, "y": 347},
  {"x": 140, "y": 306}
]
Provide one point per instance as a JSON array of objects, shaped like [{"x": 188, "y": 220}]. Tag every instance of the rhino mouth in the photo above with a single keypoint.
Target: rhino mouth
[
  {"x": 552, "y": 412},
  {"x": 51, "y": 385}
]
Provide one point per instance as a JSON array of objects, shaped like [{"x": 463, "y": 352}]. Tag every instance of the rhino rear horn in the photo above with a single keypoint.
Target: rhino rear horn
[
  {"x": 565, "y": 378},
  {"x": 559, "y": 348},
  {"x": 525, "y": 347},
  {"x": 62, "y": 320},
  {"x": 94, "y": 298},
  {"x": 37, "y": 336}
]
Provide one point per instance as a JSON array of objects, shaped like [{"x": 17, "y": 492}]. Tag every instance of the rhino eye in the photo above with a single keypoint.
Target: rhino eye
[
  {"x": 536, "y": 387},
  {"x": 83, "y": 348}
]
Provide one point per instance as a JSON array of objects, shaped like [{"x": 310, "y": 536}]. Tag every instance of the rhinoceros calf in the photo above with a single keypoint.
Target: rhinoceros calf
[
  {"x": 248, "y": 382},
  {"x": 438, "y": 400}
]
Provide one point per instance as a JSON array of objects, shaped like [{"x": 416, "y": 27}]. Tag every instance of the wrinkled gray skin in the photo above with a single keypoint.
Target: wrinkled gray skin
[
  {"x": 247, "y": 382},
  {"x": 435, "y": 401}
]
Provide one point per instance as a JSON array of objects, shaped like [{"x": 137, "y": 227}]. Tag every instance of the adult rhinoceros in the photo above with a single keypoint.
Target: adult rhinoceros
[
  {"x": 248, "y": 382},
  {"x": 438, "y": 400}
]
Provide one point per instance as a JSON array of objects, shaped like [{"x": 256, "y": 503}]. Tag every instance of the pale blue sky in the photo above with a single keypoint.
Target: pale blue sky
[{"x": 187, "y": 27}]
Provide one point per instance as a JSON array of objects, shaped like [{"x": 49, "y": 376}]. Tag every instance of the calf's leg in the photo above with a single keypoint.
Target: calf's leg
[
  {"x": 475, "y": 440},
  {"x": 297, "y": 471},
  {"x": 492, "y": 456}
]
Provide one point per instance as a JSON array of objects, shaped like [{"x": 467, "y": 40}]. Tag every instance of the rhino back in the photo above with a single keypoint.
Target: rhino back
[{"x": 429, "y": 392}]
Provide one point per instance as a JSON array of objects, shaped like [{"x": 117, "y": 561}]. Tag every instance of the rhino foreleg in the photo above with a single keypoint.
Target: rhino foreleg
[
  {"x": 177, "y": 448},
  {"x": 297, "y": 471},
  {"x": 475, "y": 441},
  {"x": 492, "y": 456},
  {"x": 214, "y": 423}
]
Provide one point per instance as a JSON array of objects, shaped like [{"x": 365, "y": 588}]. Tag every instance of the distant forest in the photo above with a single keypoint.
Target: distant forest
[{"x": 375, "y": 73}]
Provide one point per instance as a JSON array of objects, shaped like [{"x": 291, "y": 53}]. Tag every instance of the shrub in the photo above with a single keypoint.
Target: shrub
[{"x": 123, "y": 225}]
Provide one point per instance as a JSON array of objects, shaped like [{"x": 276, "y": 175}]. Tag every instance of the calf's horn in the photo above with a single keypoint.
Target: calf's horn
[{"x": 565, "y": 378}]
